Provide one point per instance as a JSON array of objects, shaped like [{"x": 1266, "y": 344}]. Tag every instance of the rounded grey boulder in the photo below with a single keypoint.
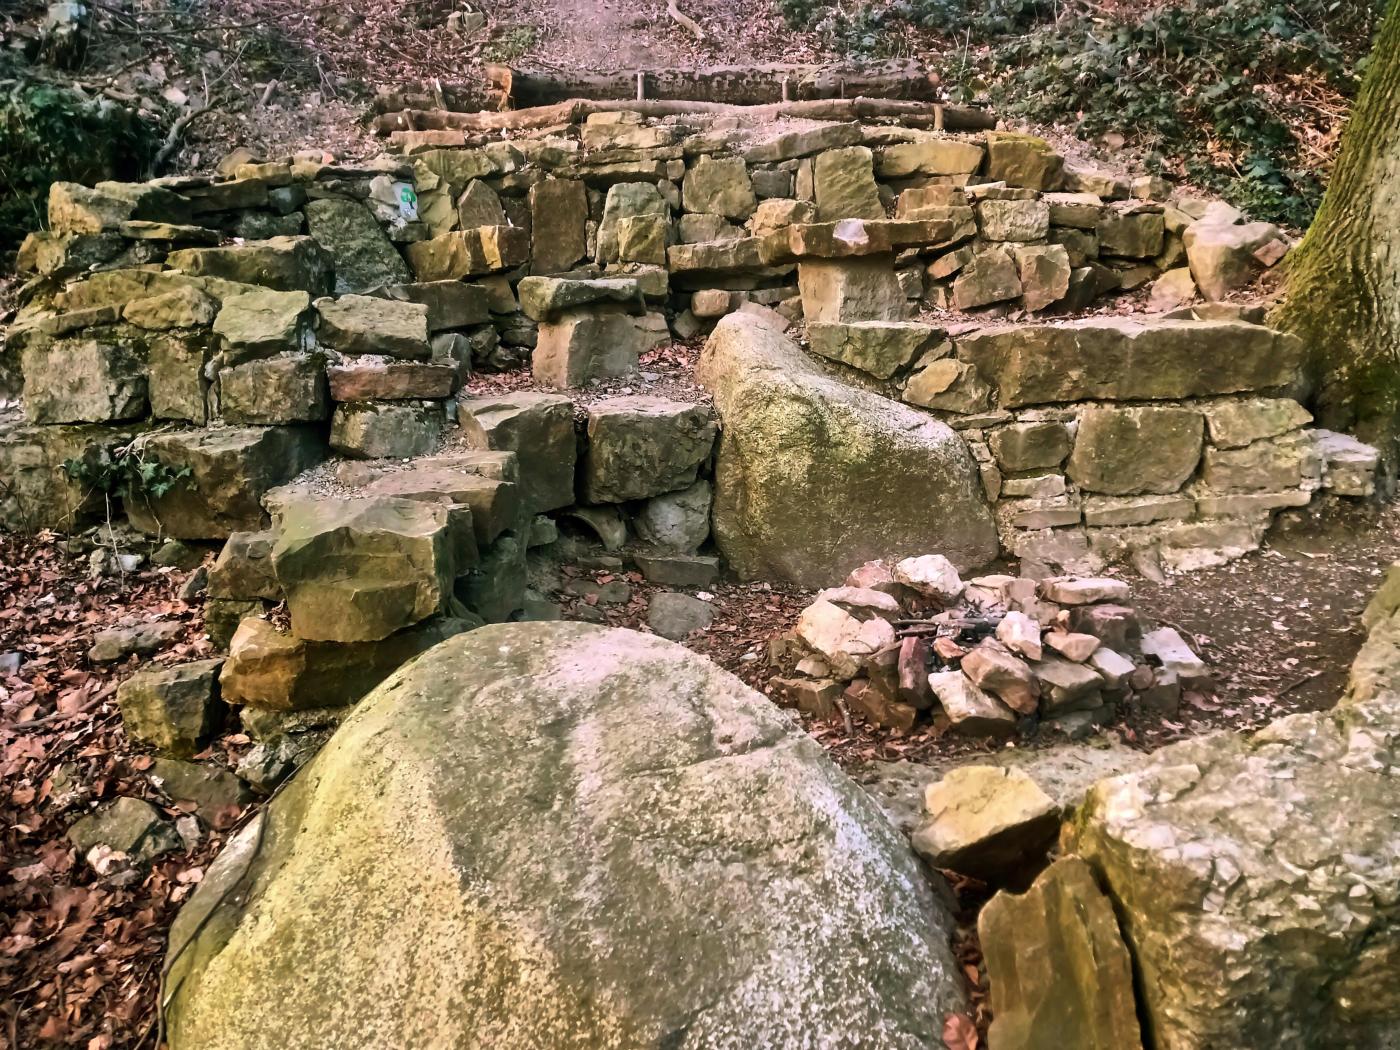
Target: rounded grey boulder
[{"x": 555, "y": 835}]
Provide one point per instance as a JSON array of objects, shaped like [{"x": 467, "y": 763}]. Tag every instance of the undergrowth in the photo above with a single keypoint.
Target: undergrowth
[
  {"x": 1245, "y": 97},
  {"x": 50, "y": 133}
]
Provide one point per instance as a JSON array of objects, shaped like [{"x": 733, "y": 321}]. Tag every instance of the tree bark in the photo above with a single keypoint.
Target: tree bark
[{"x": 1342, "y": 283}]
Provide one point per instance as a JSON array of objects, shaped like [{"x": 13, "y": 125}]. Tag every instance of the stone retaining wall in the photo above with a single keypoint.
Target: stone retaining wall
[{"x": 246, "y": 326}]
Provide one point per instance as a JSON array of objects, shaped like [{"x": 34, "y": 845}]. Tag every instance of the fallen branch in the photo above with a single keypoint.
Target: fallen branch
[
  {"x": 176, "y": 135},
  {"x": 574, "y": 111},
  {"x": 685, "y": 20}
]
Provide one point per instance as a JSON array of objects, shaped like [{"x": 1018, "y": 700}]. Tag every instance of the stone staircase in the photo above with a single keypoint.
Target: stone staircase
[{"x": 300, "y": 346}]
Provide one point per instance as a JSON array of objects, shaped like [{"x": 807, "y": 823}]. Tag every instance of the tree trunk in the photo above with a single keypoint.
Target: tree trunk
[{"x": 1342, "y": 291}]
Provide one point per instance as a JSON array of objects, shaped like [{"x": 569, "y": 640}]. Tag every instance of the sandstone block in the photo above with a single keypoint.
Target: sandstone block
[
  {"x": 389, "y": 429},
  {"x": 284, "y": 264},
  {"x": 558, "y": 225},
  {"x": 719, "y": 186},
  {"x": 881, "y": 348},
  {"x": 989, "y": 822},
  {"x": 83, "y": 380},
  {"x": 539, "y": 429},
  {"x": 231, "y": 469},
  {"x": 175, "y": 710},
  {"x": 849, "y": 290},
  {"x": 844, "y": 185},
  {"x": 586, "y": 343},
  {"x": 263, "y": 321},
  {"x": 1122, "y": 451},
  {"x": 1059, "y": 971},
  {"x": 640, "y": 446},
  {"x": 364, "y": 324},
  {"x": 287, "y": 389},
  {"x": 357, "y": 570}
]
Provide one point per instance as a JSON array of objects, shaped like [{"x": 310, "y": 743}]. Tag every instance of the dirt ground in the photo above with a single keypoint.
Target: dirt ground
[{"x": 80, "y": 951}]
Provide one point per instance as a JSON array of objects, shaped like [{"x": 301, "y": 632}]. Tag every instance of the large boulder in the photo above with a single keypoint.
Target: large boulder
[
  {"x": 815, "y": 478},
  {"x": 1255, "y": 875},
  {"x": 554, "y": 835}
]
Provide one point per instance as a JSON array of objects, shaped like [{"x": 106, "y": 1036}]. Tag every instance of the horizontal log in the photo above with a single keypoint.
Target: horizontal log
[
  {"x": 738, "y": 85},
  {"x": 573, "y": 111}
]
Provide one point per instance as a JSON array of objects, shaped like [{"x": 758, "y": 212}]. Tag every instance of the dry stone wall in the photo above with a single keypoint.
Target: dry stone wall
[{"x": 243, "y": 327}]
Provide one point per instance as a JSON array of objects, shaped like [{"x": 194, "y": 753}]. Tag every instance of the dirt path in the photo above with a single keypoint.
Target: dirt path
[{"x": 628, "y": 34}]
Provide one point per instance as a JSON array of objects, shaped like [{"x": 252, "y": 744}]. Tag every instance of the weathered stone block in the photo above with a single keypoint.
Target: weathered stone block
[
  {"x": 546, "y": 298},
  {"x": 389, "y": 429},
  {"x": 262, "y": 321},
  {"x": 1030, "y": 446},
  {"x": 881, "y": 348},
  {"x": 287, "y": 389},
  {"x": 587, "y": 343},
  {"x": 539, "y": 429},
  {"x": 231, "y": 469},
  {"x": 844, "y": 185},
  {"x": 364, "y": 257},
  {"x": 363, "y": 324},
  {"x": 285, "y": 264},
  {"x": 1127, "y": 359},
  {"x": 990, "y": 275},
  {"x": 392, "y": 381},
  {"x": 1123, "y": 451},
  {"x": 358, "y": 570},
  {"x": 558, "y": 221},
  {"x": 174, "y": 709},
  {"x": 1268, "y": 465},
  {"x": 83, "y": 380},
  {"x": 451, "y": 304},
  {"x": 1012, "y": 220},
  {"x": 814, "y": 478},
  {"x": 719, "y": 186},
  {"x": 929, "y": 156},
  {"x": 847, "y": 290},
  {"x": 469, "y": 253},
  {"x": 1059, "y": 971},
  {"x": 640, "y": 446},
  {"x": 1023, "y": 160}
]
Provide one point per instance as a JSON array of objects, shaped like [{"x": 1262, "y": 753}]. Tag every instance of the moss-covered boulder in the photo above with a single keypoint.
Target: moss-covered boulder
[
  {"x": 814, "y": 477},
  {"x": 553, "y": 835}
]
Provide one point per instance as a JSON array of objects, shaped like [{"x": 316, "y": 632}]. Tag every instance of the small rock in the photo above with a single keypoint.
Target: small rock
[
  {"x": 130, "y": 826},
  {"x": 196, "y": 585},
  {"x": 175, "y": 554},
  {"x": 1021, "y": 634},
  {"x": 1074, "y": 647},
  {"x": 1070, "y": 591},
  {"x": 173, "y": 709},
  {"x": 970, "y": 711},
  {"x": 991, "y": 823},
  {"x": 844, "y": 641},
  {"x": 217, "y": 793},
  {"x": 932, "y": 575},
  {"x": 1171, "y": 650},
  {"x": 992, "y": 668},
  {"x": 676, "y": 616},
  {"x": 117, "y": 643}
]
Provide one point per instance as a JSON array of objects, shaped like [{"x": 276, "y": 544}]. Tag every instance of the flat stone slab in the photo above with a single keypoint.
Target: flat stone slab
[
  {"x": 545, "y": 298},
  {"x": 1127, "y": 359},
  {"x": 848, "y": 237}
]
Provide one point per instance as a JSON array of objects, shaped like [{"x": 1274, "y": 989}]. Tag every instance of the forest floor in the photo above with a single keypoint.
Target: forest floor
[{"x": 81, "y": 948}]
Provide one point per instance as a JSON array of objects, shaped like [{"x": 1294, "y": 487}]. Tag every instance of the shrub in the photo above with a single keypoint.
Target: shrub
[
  {"x": 1244, "y": 96},
  {"x": 50, "y": 133}
]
